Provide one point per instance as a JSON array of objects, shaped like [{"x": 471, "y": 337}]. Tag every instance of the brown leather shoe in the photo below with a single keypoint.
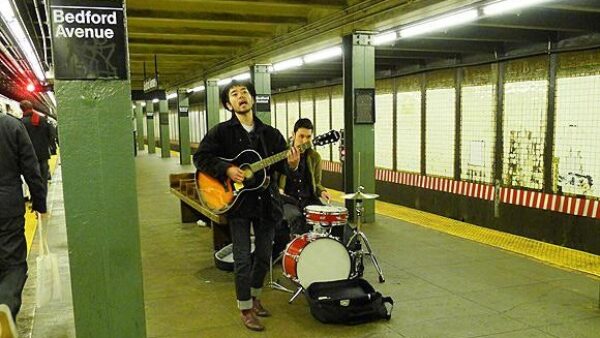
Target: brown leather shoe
[
  {"x": 250, "y": 321},
  {"x": 259, "y": 310}
]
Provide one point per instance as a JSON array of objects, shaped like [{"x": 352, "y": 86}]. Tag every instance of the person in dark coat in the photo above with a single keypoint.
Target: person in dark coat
[
  {"x": 41, "y": 133},
  {"x": 262, "y": 208},
  {"x": 17, "y": 157}
]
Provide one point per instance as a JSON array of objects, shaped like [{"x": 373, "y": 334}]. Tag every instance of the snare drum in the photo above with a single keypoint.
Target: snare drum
[
  {"x": 326, "y": 215},
  {"x": 311, "y": 258}
]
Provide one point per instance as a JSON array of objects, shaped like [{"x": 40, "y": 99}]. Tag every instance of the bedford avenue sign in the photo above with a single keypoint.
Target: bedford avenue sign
[{"x": 88, "y": 40}]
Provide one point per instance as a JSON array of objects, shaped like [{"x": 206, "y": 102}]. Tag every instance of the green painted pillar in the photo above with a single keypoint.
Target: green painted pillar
[
  {"x": 359, "y": 118},
  {"x": 139, "y": 119},
  {"x": 262, "y": 83},
  {"x": 213, "y": 103},
  {"x": 165, "y": 139},
  {"x": 150, "y": 124},
  {"x": 99, "y": 179},
  {"x": 183, "y": 123}
]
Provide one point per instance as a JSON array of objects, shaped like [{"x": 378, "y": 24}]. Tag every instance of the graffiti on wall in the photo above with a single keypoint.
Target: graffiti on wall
[{"x": 525, "y": 160}]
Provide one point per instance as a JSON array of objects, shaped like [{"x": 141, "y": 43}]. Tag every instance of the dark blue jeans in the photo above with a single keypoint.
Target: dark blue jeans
[
  {"x": 250, "y": 273},
  {"x": 13, "y": 262}
]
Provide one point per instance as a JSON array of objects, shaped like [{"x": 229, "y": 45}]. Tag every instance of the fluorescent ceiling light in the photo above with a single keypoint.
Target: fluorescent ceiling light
[
  {"x": 223, "y": 82},
  {"x": 508, "y": 5},
  {"x": 14, "y": 25},
  {"x": 440, "y": 23},
  {"x": 323, "y": 54},
  {"x": 196, "y": 89},
  {"x": 155, "y": 100},
  {"x": 52, "y": 98},
  {"x": 287, "y": 64},
  {"x": 171, "y": 96},
  {"x": 242, "y": 77},
  {"x": 382, "y": 38},
  {"x": 143, "y": 103}
]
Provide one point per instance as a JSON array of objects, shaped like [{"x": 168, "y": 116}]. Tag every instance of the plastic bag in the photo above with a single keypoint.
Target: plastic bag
[{"x": 49, "y": 288}]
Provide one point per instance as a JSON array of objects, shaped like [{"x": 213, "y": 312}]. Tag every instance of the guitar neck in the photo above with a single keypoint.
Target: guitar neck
[{"x": 256, "y": 166}]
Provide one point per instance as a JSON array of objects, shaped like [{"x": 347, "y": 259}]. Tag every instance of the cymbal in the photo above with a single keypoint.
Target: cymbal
[{"x": 359, "y": 196}]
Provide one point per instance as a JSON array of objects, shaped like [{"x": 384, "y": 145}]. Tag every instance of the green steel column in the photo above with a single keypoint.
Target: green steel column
[
  {"x": 262, "y": 83},
  {"x": 99, "y": 189},
  {"x": 165, "y": 138},
  {"x": 150, "y": 124},
  {"x": 139, "y": 119},
  {"x": 213, "y": 103},
  {"x": 183, "y": 105},
  {"x": 359, "y": 82}
]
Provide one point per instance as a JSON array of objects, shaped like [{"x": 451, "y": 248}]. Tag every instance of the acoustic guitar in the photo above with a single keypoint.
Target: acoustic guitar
[{"x": 220, "y": 196}]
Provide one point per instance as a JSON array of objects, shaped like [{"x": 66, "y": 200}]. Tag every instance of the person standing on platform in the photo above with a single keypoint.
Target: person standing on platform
[
  {"x": 41, "y": 133},
  {"x": 262, "y": 208},
  {"x": 17, "y": 157},
  {"x": 302, "y": 187}
]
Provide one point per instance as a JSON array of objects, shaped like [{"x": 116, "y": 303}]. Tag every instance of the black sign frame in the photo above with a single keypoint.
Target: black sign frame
[
  {"x": 88, "y": 40},
  {"x": 364, "y": 105}
]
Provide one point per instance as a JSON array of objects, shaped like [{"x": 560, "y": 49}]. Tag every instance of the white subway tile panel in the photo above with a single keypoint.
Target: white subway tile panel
[
  {"x": 384, "y": 131},
  {"x": 478, "y": 132},
  {"x": 439, "y": 136},
  {"x": 577, "y": 136},
  {"x": 525, "y": 107}
]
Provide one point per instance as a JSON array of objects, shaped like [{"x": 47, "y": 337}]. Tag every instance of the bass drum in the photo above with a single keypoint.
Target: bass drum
[{"x": 311, "y": 258}]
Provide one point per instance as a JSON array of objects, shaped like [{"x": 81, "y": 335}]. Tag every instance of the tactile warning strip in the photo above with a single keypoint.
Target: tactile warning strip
[
  {"x": 30, "y": 220},
  {"x": 548, "y": 253}
]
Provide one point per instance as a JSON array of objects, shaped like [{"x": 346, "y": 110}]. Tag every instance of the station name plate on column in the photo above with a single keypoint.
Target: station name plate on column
[
  {"x": 263, "y": 102},
  {"x": 88, "y": 40}
]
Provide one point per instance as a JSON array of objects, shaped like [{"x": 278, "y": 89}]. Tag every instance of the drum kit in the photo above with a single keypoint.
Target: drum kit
[{"x": 318, "y": 256}]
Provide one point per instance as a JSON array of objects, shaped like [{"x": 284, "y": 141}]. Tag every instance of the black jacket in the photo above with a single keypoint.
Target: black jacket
[
  {"x": 41, "y": 136},
  {"x": 17, "y": 157},
  {"x": 227, "y": 140}
]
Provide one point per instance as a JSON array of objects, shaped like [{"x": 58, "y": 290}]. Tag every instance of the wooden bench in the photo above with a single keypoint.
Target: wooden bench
[{"x": 184, "y": 187}]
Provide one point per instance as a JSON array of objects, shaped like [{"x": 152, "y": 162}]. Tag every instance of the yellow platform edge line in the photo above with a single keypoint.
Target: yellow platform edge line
[
  {"x": 555, "y": 255},
  {"x": 30, "y": 220}
]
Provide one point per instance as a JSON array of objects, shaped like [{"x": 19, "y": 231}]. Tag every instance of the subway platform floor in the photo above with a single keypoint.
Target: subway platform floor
[{"x": 442, "y": 286}]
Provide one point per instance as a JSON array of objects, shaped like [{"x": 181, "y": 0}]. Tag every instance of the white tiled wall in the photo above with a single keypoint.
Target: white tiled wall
[
  {"x": 384, "y": 130},
  {"x": 173, "y": 126},
  {"x": 408, "y": 126},
  {"x": 337, "y": 121},
  {"x": 577, "y": 135},
  {"x": 224, "y": 114},
  {"x": 306, "y": 107},
  {"x": 525, "y": 106},
  {"x": 439, "y": 136},
  {"x": 322, "y": 124},
  {"x": 281, "y": 117},
  {"x": 293, "y": 114},
  {"x": 478, "y": 133},
  {"x": 145, "y": 126}
]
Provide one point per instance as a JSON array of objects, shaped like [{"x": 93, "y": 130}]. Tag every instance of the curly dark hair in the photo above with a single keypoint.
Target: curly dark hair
[{"x": 225, "y": 92}]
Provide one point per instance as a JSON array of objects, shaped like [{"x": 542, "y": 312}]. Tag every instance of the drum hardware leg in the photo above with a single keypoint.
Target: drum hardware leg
[
  {"x": 274, "y": 284},
  {"x": 357, "y": 232},
  {"x": 369, "y": 252},
  {"x": 296, "y": 294}
]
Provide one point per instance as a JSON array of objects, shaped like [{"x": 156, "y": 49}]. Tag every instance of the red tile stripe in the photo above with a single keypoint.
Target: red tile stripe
[{"x": 531, "y": 199}]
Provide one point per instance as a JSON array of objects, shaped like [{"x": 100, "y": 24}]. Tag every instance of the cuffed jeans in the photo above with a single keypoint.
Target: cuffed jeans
[
  {"x": 250, "y": 275},
  {"x": 13, "y": 262}
]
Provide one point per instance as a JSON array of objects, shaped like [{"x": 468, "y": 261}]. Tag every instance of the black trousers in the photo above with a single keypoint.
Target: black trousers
[
  {"x": 13, "y": 262},
  {"x": 250, "y": 273},
  {"x": 44, "y": 171}
]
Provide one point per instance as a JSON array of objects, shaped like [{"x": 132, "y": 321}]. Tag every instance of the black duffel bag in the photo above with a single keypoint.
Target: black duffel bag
[{"x": 348, "y": 301}]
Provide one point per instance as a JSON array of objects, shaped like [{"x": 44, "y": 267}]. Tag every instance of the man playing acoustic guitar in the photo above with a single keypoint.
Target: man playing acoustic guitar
[{"x": 260, "y": 207}]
